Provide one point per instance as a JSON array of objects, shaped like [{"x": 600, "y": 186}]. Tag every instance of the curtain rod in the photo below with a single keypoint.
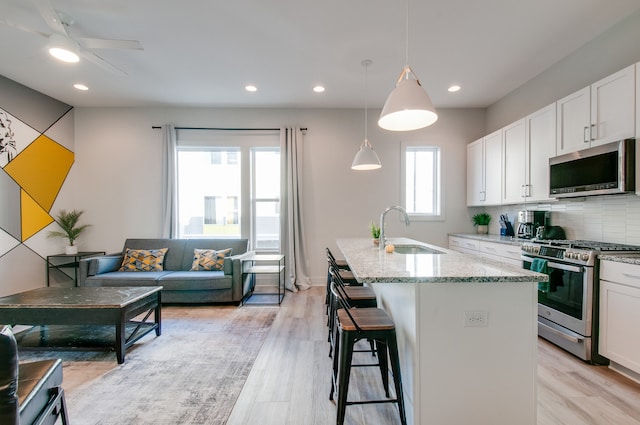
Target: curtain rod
[{"x": 226, "y": 129}]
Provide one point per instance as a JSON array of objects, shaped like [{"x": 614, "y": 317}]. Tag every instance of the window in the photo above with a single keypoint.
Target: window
[
  {"x": 422, "y": 183},
  {"x": 229, "y": 186}
]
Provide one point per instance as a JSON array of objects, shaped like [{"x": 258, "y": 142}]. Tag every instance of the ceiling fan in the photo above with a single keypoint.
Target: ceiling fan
[{"x": 59, "y": 23}]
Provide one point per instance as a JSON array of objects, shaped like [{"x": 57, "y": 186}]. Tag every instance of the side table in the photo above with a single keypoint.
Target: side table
[
  {"x": 264, "y": 264},
  {"x": 68, "y": 261}
]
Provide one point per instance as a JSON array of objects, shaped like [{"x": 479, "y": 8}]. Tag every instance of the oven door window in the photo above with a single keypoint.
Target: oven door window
[{"x": 566, "y": 291}]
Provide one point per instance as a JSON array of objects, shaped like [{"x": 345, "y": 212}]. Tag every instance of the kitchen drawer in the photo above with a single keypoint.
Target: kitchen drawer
[
  {"x": 463, "y": 244},
  {"x": 622, "y": 273},
  {"x": 508, "y": 251}
]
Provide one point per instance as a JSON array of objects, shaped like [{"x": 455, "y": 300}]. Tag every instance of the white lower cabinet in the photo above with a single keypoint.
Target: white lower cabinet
[
  {"x": 620, "y": 314},
  {"x": 465, "y": 245},
  {"x": 502, "y": 252},
  {"x": 505, "y": 253}
]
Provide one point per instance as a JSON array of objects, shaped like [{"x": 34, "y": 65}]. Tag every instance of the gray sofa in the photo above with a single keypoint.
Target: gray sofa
[{"x": 180, "y": 285}]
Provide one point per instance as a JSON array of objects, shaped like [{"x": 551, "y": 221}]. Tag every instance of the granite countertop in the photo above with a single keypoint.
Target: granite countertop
[
  {"x": 621, "y": 258},
  {"x": 509, "y": 240},
  {"x": 370, "y": 264}
]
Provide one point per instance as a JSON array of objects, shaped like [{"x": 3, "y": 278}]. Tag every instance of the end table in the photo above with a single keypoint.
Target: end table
[
  {"x": 258, "y": 264},
  {"x": 68, "y": 261}
]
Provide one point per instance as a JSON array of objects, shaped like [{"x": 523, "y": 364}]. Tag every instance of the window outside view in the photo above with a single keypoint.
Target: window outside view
[
  {"x": 422, "y": 194},
  {"x": 210, "y": 195}
]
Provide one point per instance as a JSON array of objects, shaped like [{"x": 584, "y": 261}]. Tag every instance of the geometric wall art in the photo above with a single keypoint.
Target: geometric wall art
[{"x": 36, "y": 156}]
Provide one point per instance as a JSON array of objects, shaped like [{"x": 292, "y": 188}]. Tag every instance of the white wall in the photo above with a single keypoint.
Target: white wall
[
  {"x": 615, "y": 49},
  {"x": 117, "y": 175}
]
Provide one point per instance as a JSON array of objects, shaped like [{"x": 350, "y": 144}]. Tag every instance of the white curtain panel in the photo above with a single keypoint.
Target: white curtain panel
[
  {"x": 169, "y": 201},
  {"x": 291, "y": 223}
]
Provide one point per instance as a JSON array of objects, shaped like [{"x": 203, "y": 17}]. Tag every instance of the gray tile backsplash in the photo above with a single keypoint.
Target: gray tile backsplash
[{"x": 600, "y": 218}]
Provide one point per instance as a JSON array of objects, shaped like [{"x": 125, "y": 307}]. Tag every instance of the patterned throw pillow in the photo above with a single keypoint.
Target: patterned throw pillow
[
  {"x": 143, "y": 260},
  {"x": 209, "y": 259}
]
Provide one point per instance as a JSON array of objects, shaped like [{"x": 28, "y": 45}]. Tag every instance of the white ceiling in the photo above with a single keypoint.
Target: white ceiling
[{"x": 203, "y": 52}]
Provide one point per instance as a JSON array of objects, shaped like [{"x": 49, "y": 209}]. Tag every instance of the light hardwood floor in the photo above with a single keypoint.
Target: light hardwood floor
[{"x": 290, "y": 380}]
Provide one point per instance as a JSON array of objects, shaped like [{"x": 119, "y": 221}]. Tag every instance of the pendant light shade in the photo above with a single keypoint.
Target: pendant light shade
[
  {"x": 408, "y": 107},
  {"x": 366, "y": 158}
]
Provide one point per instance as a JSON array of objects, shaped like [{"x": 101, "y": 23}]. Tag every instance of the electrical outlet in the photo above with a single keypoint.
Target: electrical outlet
[{"x": 476, "y": 318}]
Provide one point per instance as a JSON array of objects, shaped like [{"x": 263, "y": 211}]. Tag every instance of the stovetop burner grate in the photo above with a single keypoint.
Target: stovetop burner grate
[{"x": 587, "y": 245}]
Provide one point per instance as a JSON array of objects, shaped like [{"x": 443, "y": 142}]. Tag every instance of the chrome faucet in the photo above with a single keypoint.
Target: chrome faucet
[{"x": 383, "y": 239}]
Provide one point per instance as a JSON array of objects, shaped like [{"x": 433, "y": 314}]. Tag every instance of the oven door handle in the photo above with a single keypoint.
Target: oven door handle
[
  {"x": 561, "y": 334},
  {"x": 567, "y": 267},
  {"x": 577, "y": 269}
]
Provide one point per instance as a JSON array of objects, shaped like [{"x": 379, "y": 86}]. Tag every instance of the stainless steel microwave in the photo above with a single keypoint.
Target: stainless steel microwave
[{"x": 600, "y": 170}]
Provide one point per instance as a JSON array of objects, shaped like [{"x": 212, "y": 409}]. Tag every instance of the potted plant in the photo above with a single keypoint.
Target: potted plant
[
  {"x": 375, "y": 232},
  {"x": 481, "y": 221},
  {"x": 68, "y": 221}
]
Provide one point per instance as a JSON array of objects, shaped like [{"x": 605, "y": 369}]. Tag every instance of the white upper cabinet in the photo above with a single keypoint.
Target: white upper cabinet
[
  {"x": 601, "y": 113},
  {"x": 528, "y": 145},
  {"x": 515, "y": 156},
  {"x": 541, "y": 138},
  {"x": 574, "y": 119},
  {"x": 475, "y": 173},
  {"x": 484, "y": 171}
]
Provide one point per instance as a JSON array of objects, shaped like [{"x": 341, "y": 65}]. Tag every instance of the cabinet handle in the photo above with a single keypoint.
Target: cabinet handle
[
  {"x": 585, "y": 137},
  {"x": 632, "y": 276},
  {"x": 593, "y": 131}
]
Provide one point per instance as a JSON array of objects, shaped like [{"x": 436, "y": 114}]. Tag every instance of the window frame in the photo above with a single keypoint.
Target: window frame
[
  {"x": 438, "y": 178},
  {"x": 203, "y": 140}
]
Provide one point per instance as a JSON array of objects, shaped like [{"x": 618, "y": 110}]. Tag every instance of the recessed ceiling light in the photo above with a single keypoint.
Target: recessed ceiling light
[
  {"x": 250, "y": 88},
  {"x": 454, "y": 88},
  {"x": 318, "y": 89},
  {"x": 81, "y": 87}
]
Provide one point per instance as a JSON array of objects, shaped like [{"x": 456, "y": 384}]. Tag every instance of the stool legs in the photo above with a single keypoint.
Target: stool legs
[
  {"x": 344, "y": 373},
  {"x": 387, "y": 350},
  {"x": 397, "y": 377}
]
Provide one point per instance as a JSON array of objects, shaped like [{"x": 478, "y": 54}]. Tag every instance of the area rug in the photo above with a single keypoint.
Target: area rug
[{"x": 191, "y": 374}]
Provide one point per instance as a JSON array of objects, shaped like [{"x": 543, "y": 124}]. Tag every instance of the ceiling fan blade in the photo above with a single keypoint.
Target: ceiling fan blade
[
  {"x": 102, "y": 63},
  {"x": 50, "y": 16},
  {"x": 103, "y": 43},
  {"x": 22, "y": 28}
]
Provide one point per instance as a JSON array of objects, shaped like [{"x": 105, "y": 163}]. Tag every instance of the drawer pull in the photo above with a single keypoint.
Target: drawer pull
[{"x": 632, "y": 276}]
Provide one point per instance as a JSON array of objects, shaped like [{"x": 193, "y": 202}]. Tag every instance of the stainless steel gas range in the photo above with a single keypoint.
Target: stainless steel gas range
[{"x": 567, "y": 306}]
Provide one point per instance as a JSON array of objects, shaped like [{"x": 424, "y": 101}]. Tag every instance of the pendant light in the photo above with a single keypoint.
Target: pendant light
[
  {"x": 366, "y": 158},
  {"x": 408, "y": 107}
]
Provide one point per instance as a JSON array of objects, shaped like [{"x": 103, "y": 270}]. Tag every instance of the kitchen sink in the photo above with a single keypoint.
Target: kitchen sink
[{"x": 415, "y": 249}]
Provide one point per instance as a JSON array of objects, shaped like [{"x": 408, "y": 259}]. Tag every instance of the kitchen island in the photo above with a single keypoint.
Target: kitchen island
[{"x": 466, "y": 327}]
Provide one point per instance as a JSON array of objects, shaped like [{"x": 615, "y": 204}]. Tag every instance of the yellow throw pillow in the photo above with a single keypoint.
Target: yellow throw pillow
[
  {"x": 209, "y": 259},
  {"x": 143, "y": 260}
]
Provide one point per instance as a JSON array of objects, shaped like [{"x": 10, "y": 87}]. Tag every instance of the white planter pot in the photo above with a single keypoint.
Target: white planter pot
[
  {"x": 71, "y": 249},
  {"x": 482, "y": 229}
]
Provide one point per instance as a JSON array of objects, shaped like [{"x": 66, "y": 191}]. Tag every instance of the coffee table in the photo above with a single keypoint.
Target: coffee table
[{"x": 117, "y": 306}]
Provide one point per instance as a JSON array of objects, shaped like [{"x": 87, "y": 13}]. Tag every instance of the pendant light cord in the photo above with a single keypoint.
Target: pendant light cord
[
  {"x": 366, "y": 97},
  {"x": 406, "y": 53}
]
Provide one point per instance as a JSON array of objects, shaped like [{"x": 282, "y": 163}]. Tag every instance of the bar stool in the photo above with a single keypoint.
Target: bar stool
[
  {"x": 355, "y": 324},
  {"x": 344, "y": 270},
  {"x": 356, "y": 296}
]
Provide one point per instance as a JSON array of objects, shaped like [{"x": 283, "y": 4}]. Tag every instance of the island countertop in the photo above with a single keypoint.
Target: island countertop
[{"x": 370, "y": 264}]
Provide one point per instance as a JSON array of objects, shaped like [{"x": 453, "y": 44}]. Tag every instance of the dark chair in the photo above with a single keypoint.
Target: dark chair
[
  {"x": 355, "y": 324},
  {"x": 357, "y": 296},
  {"x": 344, "y": 270},
  {"x": 31, "y": 392}
]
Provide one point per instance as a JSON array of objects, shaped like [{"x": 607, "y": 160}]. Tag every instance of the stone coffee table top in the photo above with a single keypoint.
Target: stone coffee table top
[{"x": 52, "y": 297}]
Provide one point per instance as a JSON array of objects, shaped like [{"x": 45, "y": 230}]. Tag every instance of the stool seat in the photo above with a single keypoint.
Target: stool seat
[
  {"x": 368, "y": 319},
  {"x": 359, "y": 293}
]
